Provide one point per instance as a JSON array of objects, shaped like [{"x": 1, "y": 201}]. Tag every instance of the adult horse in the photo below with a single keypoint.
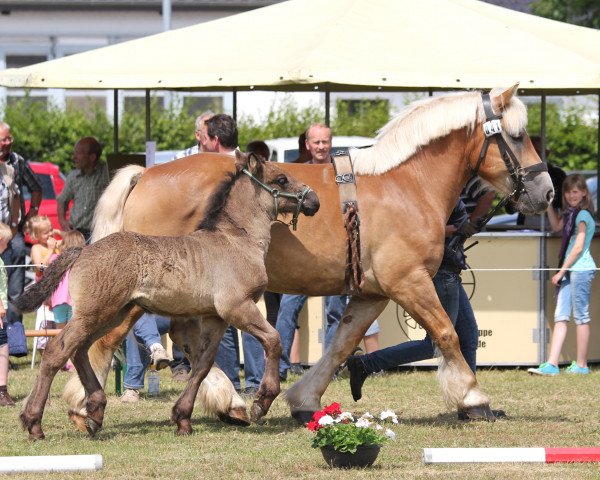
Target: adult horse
[{"x": 407, "y": 184}]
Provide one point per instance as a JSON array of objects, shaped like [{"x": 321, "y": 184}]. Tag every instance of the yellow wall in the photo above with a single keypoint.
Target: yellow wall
[{"x": 505, "y": 304}]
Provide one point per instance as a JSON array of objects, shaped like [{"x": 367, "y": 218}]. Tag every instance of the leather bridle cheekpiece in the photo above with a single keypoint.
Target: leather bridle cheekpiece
[
  {"x": 492, "y": 129},
  {"x": 299, "y": 197}
]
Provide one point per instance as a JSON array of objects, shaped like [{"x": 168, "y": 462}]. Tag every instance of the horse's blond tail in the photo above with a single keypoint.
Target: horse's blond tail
[
  {"x": 217, "y": 395},
  {"x": 108, "y": 216}
]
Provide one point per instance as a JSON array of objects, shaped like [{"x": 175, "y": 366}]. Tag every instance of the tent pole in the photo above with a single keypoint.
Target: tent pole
[
  {"x": 327, "y": 108},
  {"x": 598, "y": 157},
  {"x": 116, "y": 120},
  {"x": 234, "y": 113},
  {"x": 148, "y": 132},
  {"x": 542, "y": 256}
]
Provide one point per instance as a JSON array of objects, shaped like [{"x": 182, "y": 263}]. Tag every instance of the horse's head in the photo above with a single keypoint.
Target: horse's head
[
  {"x": 288, "y": 194},
  {"x": 507, "y": 158}
]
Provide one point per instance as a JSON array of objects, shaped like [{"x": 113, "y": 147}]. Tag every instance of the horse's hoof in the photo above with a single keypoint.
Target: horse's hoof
[
  {"x": 479, "y": 413},
  {"x": 78, "y": 421},
  {"x": 92, "y": 426},
  {"x": 235, "y": 416},
  {"x": 183, "y": 429},
  {"x": 302, "y": 416},
  {"x": 257, "y": 413},
  {"x": 36, "y": 436}
]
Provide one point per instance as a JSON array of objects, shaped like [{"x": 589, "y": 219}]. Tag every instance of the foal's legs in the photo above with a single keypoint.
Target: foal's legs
[
  {"x": 304, "y": 397},
  {"x": 100, "y": 356},
  {"x": 96, "y": 398},
  {"x": 216, "y": 393},
  {"x": 55, "y": 356},
  {"x": 208, "y": 330},
  {"x": 246, "y": 316}
]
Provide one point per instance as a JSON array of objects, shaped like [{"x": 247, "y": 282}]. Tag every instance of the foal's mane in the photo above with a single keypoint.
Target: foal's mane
[
  {"x": 217, "y": 201},
  {"x": 426, "y": 120}
]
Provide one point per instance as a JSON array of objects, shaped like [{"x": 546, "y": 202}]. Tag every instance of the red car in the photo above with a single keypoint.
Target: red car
[{"x": 52, "y": 184}]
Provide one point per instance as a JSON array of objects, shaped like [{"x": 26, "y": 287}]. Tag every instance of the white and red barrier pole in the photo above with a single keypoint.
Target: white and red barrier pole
[
  {"x": 528, "y": 455},
  {"x": 50, "y": 463}
]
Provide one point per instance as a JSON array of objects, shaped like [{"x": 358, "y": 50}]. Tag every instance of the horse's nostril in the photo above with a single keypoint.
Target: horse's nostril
[{"x": 550, "y": 195}]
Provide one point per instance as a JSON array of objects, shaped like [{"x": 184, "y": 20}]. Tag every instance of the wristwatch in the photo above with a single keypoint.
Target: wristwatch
[{"x": 14, "y": 224}]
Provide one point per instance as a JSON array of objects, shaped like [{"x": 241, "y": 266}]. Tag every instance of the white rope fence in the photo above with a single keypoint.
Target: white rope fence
[{"x": 512, "y": 269}]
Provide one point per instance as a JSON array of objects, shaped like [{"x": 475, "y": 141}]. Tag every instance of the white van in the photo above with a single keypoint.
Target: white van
[{"x": 286, "y": 149}]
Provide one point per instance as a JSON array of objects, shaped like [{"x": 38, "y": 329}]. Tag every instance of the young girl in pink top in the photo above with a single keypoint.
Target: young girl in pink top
[{"x": 60, "y": 301}]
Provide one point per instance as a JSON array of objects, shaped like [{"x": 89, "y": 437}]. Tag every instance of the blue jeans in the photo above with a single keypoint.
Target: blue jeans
[
  {"x": 574, "y": 296},
  {"x": 456, "y": 303},
  {"x": 146, "y": 331},
  {"x": 15, "y": 255},
  {"x": 287, "y": 321},
  {"x": 228, "y": 358}
]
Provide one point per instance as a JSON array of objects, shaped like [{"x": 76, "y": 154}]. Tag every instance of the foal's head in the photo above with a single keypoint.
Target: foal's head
[{"x": 275, "y": 191}]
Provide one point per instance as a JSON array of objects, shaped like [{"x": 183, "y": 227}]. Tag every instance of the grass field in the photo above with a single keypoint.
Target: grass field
[{"x": 138, "y": 441}]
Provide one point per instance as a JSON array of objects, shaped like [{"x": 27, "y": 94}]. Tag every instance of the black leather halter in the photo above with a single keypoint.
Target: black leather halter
[{"x": 492, "y": 129}]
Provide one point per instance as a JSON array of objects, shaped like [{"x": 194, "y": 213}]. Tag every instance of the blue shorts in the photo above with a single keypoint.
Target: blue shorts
[
  {"x": 373, "y": 329},
  {"x": 62, "y": 313},
  {"x": 574, "y": 297}
]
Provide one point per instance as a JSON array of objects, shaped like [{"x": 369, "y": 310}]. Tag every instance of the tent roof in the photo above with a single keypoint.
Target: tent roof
[{"x": 342, "y": 45}]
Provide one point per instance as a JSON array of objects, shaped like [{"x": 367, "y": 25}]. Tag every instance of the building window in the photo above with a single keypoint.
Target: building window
[{"x": 18, "y": 61}]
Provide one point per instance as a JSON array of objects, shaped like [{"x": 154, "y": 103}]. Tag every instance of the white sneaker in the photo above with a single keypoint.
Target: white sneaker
[
  {"x": 131, "y": 395},
  {"x": 160, "y": 357}
]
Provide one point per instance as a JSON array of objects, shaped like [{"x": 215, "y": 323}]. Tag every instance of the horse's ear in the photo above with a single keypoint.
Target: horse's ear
[
  {"x": 501, "y": 97},
  {"x": 255, "y": 163},
  {"x": 241, "y": 161}
]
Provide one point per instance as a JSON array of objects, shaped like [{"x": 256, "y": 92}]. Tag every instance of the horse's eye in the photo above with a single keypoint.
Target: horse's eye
[
  {"x": 517, "y": 138},
  {"x": 282, "y": 180}
]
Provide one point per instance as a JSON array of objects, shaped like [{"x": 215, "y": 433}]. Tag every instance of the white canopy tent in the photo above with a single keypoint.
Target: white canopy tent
[{"x": 342, "y": 45}]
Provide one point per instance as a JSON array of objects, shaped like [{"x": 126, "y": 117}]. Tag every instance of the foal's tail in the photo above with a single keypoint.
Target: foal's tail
[
  {"x": 108, "y": 216},
  {"x": 33, "y": 297}
]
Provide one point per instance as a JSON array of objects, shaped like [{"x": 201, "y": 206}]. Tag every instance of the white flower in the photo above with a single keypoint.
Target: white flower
[
  {"x": 326, "y": 420},
  {"x": 344, "y": 416},
  {"x": 389, "y": 414},
  {"x": 367, "y": 415},
  {"x": 390, "y": 434},
  {"x": 363, "y": 422},
  {"x": 378, "y": 427}
]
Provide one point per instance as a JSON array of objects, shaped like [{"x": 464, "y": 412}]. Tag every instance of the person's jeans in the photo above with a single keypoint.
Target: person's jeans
[
  {"x": 574, "y": 297},
  {"x": 334, "y": 309},
  {"x": 146, "y": 331},
  {"x": 455, "y": 301},
  {"x": 15, "y": 255},
  {"x": 228, "y": 356},
  {"x": 287, "y": 321},
  {"x": 254, "y": 361}
]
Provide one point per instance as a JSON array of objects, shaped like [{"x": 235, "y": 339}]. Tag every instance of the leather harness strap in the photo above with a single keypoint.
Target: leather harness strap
[{"x": 344, "y": 177}]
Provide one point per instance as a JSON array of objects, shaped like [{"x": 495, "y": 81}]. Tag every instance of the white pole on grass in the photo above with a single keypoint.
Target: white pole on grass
[{"x": 50, "y": 463}]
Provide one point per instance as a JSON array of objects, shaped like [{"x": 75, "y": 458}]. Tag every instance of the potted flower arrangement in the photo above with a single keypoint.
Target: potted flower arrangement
[{"x": 346, "y": 442}]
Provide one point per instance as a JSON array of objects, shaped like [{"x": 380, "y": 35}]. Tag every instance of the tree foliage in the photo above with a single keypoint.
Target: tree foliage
[
  {"x": 43, "y": 134},
  {"x": 571, "y": 135},
  {"x": 578, "y": 12}
]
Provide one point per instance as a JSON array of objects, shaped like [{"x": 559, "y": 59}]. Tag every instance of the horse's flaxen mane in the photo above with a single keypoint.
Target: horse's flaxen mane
[
  {"x": 426, "y": 120},
  {"x": 217, "y": 201}
]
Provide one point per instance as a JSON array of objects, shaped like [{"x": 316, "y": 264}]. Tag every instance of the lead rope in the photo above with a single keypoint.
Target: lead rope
[{"x": 355, "y": 276}]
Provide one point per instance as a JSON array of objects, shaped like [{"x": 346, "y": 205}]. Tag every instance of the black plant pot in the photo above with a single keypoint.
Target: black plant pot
[{"x": 364, "y": 457}]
